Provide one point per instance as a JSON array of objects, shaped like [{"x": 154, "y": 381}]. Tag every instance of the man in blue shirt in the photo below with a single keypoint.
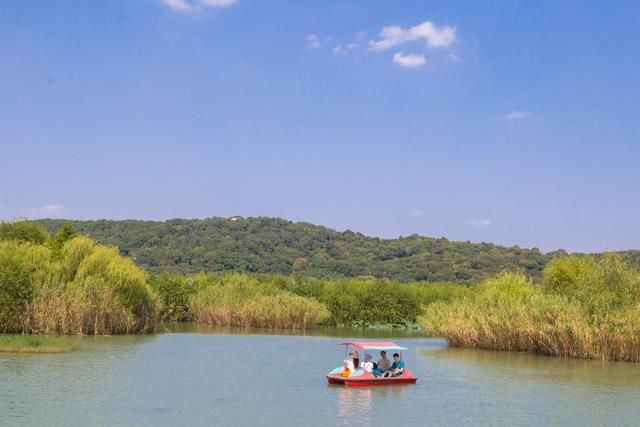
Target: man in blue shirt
[{"x": 397, "y": 367}]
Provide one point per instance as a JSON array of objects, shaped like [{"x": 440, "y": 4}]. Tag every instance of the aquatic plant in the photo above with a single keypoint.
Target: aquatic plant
[
  {"x": 586, "y": 308},
  {"x": 35, "y": 344},
  {"x": 83, "y": 288},
  {"x": 174, "y": 291},
  {"x": 241, "y": 300}
]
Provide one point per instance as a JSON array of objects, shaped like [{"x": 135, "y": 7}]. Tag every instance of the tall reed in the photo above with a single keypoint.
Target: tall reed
[
  {"x": 586, "y": 308},
  {"x": 85, "y": 289},
  {"x": 240, "y": 300}
]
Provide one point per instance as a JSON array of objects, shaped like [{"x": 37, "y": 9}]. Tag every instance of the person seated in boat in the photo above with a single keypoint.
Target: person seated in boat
[
  {"x": 348, "y": 363},
  {"x": 367, "y": 364},
  {"x": 396, "y": 369},
  {"x": 382, "y": 365},
  {"x": 356, "y": 359}
]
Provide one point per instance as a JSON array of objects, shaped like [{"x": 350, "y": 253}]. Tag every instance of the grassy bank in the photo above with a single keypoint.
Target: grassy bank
[
  {"x": 35, "y": 344},
  {"x": 585, "y": 307}
]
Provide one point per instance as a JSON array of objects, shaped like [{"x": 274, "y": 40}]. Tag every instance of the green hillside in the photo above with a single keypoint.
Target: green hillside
[{"x": 272, "y": 245}]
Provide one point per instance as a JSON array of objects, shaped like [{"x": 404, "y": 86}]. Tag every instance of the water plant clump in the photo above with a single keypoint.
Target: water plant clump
[
  {"x": 72, "y": 286},
  {"x": 239, "y": 300},
  {"x": 35, "y": 344},
  {"x": 585, "y": 307}
]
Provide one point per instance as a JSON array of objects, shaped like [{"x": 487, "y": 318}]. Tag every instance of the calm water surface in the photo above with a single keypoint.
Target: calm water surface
[{"x": 222, "y": 377}]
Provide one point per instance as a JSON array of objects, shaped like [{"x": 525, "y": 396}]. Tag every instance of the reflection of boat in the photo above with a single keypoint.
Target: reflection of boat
[{"x": 360, "y": 377}]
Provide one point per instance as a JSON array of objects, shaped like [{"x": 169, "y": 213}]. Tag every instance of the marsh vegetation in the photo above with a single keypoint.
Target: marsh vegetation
[
  {"x": 581, "y": 306},
  {"x": 35, "y": 344},
  {"x": 584, "y": 307}
]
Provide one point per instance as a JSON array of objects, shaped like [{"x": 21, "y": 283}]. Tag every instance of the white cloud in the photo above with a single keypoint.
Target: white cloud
[
  {"x": 480, "y": 222},
  {"x": 47, "y": 210},
  {"x": 194, "y": 6},
  {"x": 516, "y": 115},
  {"x": 313, "y": 41},
  {"x": 218, "y": 3},
  {"x": 415, "y": 213},
  {"x": 180, "y": 5},
  {"x": 434, "y": 36},
  {"x": 410, "y": 60},
  {"x": 343, "y": 48},
  {"x": 451, "y": 56}
]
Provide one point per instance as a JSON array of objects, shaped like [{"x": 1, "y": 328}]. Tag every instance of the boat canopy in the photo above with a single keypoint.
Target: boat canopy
[{"x": 364, "y": 345}]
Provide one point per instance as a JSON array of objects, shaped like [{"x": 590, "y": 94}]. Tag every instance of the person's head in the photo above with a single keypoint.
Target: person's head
[
  {"x": 383, "y": 354},
  {"x": 396, "y": 357},
  {"x": 367, "y": 357},
  {"x": 356, "y": 354}
]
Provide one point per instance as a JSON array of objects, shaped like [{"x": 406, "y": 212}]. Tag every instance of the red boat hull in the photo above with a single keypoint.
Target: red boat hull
[{"x": 365, "y": 379}]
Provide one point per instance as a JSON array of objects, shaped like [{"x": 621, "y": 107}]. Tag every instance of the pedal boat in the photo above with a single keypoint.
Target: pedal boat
[{"x": 360, "y": 377}]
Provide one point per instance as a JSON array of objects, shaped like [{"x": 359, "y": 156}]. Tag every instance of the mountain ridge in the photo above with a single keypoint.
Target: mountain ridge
[{"x": 275, "y": 245}]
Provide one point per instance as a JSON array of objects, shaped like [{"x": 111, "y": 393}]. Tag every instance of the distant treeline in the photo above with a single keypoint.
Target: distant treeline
[{"x": 277, "y": 246}]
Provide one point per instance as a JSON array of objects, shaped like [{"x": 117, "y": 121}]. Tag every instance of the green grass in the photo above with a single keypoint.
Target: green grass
[{"x": 35, "y": 344}]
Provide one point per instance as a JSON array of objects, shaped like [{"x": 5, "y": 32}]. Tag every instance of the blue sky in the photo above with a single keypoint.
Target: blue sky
[{"x": 508, "y": 122}]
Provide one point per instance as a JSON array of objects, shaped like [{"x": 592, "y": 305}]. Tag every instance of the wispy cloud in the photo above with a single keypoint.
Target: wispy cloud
[
  {"x": 313, "y": 41},
  {"x": 195, "y": 6},
  {"x": 343, "y": 49},
  {"x": 434, "y": 36},
  {"x": 415, "y": 213},
  {"x": 47, "y": 210},
  {"x": 453, "y": 57},
  {"x": 516, "y": 115},
  {"x": 480, "y": 222},
  {"x": 409, "y": 60}
]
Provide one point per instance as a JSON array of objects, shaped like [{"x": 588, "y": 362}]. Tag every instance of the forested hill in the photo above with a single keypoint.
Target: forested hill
[{"x": 271, "y": 245}]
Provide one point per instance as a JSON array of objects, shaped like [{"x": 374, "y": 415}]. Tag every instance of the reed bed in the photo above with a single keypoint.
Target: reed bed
[
  {"x": 563, "y": 317},
  {"x": 83, "y": 288},
  {"x": 239, "y": 300}
]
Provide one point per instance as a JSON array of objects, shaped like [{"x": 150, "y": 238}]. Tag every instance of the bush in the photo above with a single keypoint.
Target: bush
[
  {"x": 23, "y": 231},
  {"x": 88, "y": 289},
  {"x": 174, "y": 292},
  {"x": 16, "y": 287},
  {"x": 126, "y": 284},
  {"x": 600, "y": 285}
]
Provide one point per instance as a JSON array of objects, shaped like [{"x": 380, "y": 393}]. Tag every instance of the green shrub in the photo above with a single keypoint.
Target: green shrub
[
  {"x": 174, "y": 291},
  {"x": 16, "y": 287},
  {"x": 23, "y": 231}
]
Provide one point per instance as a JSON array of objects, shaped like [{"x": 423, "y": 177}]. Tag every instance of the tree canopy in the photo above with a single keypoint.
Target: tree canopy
[{"x": 272, "y": 245}]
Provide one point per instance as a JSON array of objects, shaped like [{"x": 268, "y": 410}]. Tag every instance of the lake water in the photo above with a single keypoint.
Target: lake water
[{"x": 222, "y": 377}]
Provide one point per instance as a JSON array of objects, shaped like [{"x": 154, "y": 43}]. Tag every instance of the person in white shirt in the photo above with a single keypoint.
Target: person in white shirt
[
  {"x": 348, "y": 363},
  {"x": 367, "y": 364}
]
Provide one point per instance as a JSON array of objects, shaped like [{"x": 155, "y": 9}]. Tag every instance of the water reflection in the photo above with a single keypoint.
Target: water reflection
[
  {"x": 189, "y": 327},
  {"x": 358, "y": 405},
  {"x": 354, "y": 405}
]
